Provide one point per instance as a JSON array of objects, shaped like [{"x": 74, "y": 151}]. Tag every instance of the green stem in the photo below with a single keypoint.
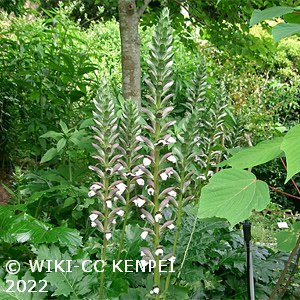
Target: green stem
[
  {"x": 104, "y": 246},
  {"x": 70, "y": 171},
  {"x": 156, "y": 204},
  {"x": 127, "y": 209},
  {"x": 178, "y": 224}
]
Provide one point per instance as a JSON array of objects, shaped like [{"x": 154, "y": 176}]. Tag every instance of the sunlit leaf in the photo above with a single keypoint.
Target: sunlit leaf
[
  {"x": 291, "y": 148},
  {"x": 233, "y": 194}
]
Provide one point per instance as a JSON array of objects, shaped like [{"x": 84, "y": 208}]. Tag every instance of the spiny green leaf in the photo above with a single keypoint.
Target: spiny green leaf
[
  {"x": 254, "y": 156},
  {"x": 291, "y": 148},
  {"x": 233, "y": 194}
]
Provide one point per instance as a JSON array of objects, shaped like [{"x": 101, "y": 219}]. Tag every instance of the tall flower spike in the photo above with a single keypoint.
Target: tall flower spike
[
  {"x": 106, "y": 145},
  {"x": 130, "y": 131},
  {"x": 159, "y": 130}
]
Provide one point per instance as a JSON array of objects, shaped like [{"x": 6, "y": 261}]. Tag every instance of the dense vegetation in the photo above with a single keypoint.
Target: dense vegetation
[{"x": 60, "y": 93}]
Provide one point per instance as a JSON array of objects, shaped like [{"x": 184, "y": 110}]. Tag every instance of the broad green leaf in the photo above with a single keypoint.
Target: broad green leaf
[
  {"x": 284, "y": 30},
  {"x": 254, "y": 156},
  {"x": 52, "y": 134},
  {"x": 233, "y": 194},
  {"x": 296, "y": 226},
  {"x": 269, "y": 13},
  {"x": 86, "y": 123},
  {"x": 292, "y": 18},
  {"x": 291, "y": 148},
  {"x": 286, "y": 240},
  {"x": 64, "y": 127},
  {"x": 51, "y": 153},
  {"x": 61, "y": 144}
]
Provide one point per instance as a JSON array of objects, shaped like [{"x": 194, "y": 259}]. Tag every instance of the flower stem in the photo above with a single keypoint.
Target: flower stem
[
  {"x": 178, "y": 223},
  {"x": 104, "y": 245}
]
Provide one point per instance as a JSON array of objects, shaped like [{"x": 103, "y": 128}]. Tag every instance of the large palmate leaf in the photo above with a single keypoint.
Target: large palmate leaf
[
  {"x": 233, "y": 194},
  {"x": 257, "y": 155},
  {"x": 291, "y": 148}
]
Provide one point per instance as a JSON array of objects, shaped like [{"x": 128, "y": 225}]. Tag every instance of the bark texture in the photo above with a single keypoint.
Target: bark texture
[{"x": 130, "y": 48}]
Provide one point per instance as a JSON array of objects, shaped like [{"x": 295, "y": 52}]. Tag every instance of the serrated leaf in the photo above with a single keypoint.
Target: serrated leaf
[
  {"x": 254, "y": 156},
  {"x": 284, "y": 30},
  {"x": 291, "y": 148},
  {"x": 65, "y": 283},
  {"x": 286, "y": 240},
  {"x": 269, "y": 13},
  {"x": 51, "y": 153},
  {"x": 233, "y": 194}
]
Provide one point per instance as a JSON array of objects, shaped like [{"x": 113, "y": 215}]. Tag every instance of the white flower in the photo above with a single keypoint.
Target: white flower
[
  {"x": 158, "y": 217},
  {"x": 201, "y": 177},
  {"x": 108, "y": 236},
  {"x": 146, "y": 162},
  {"x": 144, "y": 234},
  {"x": 155, "y": 290},
  {"x": 139, "y": 202},
  {"x": 91, "y": 194},
  {"x": 120, "y": 213},
  {"x": 114, "y": 221},
  {"x": 121, "y": 187},
  {"x": 210, "y": 173},
  {"x": 143, "y": 216},
  {"x": 171, "y": 226},
  {"x": 93, "y": 217},
  {"x": 142, "y": 253},
  {"x": 109, "y": 204},
  {"x": 159, "y": 252},
  {"x": 163, "y": 176},
  {"x": 170, "y": 173},
  {"x": 172, "y": 159},
  {"x": 172, "y": 194},
  {"x": 171, "y": 140},
  {"x": 139, "y": 173},
  {"x": 150, "y": 191},
  {"x": 140, "y": 181},
  {"x": 95, "y": 187},
  {"x": 172, "y": 258},
  {"x": 93, "y": 224},
  {"x": 139, "y": 138}
]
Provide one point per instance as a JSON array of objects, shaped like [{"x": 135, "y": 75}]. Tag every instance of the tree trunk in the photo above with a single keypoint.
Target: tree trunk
[{"x": 130, "y": 48}]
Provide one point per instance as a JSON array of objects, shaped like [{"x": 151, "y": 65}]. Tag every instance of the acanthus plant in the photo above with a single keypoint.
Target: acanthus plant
[{"x": 149, "y": 168}]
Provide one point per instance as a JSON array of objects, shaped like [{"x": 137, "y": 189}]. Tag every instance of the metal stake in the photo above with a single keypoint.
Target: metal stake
[{"x": 248, "y": 246}]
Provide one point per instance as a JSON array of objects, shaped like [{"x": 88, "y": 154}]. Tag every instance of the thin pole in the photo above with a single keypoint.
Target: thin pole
[{"x": 248, "y": 246}]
